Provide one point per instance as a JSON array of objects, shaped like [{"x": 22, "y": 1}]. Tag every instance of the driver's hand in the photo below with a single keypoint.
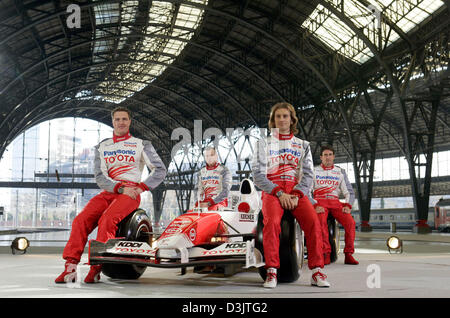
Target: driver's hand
[
  {"x": 204, "y": 204},
  {"x": 287, "y": 202},
  {"x": 320, "y": 209},
  {"x": 132, "y": 192},
  {"x": 346, "y": 209},
  {"x": 294, "y": 200}
]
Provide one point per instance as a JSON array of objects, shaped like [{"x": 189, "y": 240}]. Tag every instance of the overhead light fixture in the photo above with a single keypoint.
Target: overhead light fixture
[
  {"x": 394, "y": 244},
  {"x": 20, "y": 244}
]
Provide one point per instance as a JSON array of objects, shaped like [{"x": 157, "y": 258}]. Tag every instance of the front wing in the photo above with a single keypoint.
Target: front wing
[{"x": 119, "y": 251}]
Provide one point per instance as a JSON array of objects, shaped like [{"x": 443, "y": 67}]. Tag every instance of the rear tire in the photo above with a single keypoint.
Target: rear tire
[
  {"x": 333, "y": 237},
  {"x": 133, "y": 228},
  {"x": 291, "y": 248}
]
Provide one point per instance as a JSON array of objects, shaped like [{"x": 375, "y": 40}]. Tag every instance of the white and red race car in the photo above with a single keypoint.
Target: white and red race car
[{"x": 199, "y": 238}]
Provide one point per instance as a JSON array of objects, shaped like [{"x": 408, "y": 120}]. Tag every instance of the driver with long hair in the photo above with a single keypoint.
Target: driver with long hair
[{"x": 283, "y": 168}]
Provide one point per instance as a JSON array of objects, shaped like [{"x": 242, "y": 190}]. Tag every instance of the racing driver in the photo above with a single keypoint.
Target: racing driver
[
  {"x": 329, "y": 181},
  {"x": 214, "y": 182},
  {"x": 283, "y": 169},
  {"x": 118, "y": 166}
]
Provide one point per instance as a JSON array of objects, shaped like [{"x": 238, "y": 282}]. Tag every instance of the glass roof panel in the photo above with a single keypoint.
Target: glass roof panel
[
  {"x": 336, "y": 35},
  {"x": 156, "y": 50}
]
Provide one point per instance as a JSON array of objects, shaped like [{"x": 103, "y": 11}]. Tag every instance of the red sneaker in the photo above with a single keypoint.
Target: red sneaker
[
  {"x": 326, "y": 258},
  {"x": 69, "y": 275},
  {"x": 349, "y": 260},
  {"x": 94, "y": 274}
]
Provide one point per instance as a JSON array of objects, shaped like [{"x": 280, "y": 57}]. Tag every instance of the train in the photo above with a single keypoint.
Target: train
[
  {"x": 404, "y": 218},
  {"x": 442, "y": 215}
]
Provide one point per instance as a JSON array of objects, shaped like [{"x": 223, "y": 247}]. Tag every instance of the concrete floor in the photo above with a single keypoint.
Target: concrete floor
[{"x": 423, "y": 270}]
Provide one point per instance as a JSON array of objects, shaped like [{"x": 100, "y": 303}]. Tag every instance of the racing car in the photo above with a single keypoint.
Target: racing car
[{"x": 227, "y": 237}]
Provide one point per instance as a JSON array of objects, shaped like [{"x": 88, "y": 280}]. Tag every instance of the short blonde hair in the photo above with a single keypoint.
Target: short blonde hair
[{"x": 291, "y": 109}]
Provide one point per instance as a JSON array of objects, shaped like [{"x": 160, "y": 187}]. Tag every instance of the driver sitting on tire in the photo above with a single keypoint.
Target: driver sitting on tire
[
  {"x": 330, "y": 181},
  {"x": 283, "y": 169},
  {"x": 118, "y": 168}
]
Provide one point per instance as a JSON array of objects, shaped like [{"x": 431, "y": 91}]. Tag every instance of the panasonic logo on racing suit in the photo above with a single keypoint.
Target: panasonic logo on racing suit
[
  {"x": 210, "y": 178},
  {"x": 118, "y": 152},
  {"x": 330, "y": 180},
  {"x": 284, "y": 150},
  {"x": 119, "y": 155}
]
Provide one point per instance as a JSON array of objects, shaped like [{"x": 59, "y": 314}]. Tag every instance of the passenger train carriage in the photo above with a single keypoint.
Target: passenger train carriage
[
  {"x": 442, "y": 215},
  {"x": 403, "y": 218}
]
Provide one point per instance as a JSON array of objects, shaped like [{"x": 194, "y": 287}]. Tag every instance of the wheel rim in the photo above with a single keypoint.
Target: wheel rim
[
  {"x": 336, "y": 240},
  {"x": 143, "y": 228},
  {"x": 299, "y": 244}
]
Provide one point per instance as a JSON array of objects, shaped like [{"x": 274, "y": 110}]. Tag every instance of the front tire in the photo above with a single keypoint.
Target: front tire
[
  {"x": 290, "y": 251},
  {"x": 135, "y": 227}
]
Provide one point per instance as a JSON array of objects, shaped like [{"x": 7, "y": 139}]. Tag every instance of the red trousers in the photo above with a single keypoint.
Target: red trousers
[
  {"x": 105, "y": 210},
  {"x": 216, "y": 206},
  {"x": 305, "y": 215},
  {"x": 346, "y": 219}
]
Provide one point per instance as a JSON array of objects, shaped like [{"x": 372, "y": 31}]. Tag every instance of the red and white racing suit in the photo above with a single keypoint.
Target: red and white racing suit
[
  {"x": 284, "y": 162},
  {"x": 118, "y": 162},
  {"x": 329, "y": 183},
  {"x": 214, "y": 185}
]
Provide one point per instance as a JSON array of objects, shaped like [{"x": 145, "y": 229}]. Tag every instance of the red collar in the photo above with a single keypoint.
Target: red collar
[
  {"x": 327, "y": 168},
  {"x": 212, "y": 167},
  {"x": 121, "y": 138},
  {"x": 276, "y": 134}
]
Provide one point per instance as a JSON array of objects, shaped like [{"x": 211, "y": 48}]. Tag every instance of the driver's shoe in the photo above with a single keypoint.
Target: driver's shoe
[
  {"x": 349, "y": 260},
  {"x": 69, "y": 275},
  {"x": 271, "y": 278},
  {"x": 319, "y": 279},
  {"x": 94, "y": 274}
]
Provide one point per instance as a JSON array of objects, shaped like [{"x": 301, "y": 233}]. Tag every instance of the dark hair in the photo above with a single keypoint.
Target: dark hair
[
  {"x": 291, "y": 109},
  {"x": 326, "y": 147},
  {"x": 120, "y": 109}
]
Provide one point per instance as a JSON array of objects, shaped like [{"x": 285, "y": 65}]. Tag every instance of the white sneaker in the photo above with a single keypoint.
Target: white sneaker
[
  {"x": 319, "y": 279},
  {"x": 271, "y": 278}
]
